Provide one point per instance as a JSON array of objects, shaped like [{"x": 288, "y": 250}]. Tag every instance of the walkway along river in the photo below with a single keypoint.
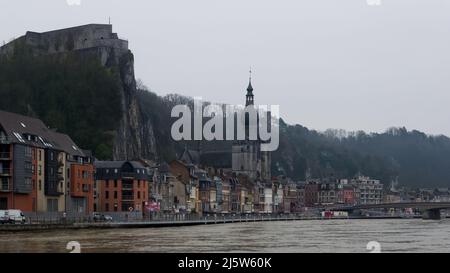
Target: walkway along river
[{"x": 170, "y": 222}]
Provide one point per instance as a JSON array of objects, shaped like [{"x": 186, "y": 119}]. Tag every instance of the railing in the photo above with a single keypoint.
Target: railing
[
  {"x": 124, "y": 217},
  {"x": 5, "y": 172},
  {"x": 5, "y": 140},
  {"x": 5, "y": 185},
  {"x": 5, "y": 155},
  {"x": 127, "y": 197},
  {"x": 128, "y": 174}
]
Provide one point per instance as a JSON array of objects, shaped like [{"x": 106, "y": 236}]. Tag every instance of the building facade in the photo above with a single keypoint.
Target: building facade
[
  {"x": 121, "y": 186},
  {"x": 33, "y": 164}
]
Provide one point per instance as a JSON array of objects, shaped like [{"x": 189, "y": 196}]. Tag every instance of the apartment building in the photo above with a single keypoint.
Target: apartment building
[{"x": 33, "y": 167}]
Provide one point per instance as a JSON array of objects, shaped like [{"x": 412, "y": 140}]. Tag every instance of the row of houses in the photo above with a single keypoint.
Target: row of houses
[
  {"x": 394, "y": 195},
  {"x": 42, "y": 170}
]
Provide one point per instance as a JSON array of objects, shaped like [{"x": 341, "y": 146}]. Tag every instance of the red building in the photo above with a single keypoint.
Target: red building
[
  {"x": 311, "y": 197},
  {"x": 348, "y": 193},
  {"x": 121, "y": 186}
]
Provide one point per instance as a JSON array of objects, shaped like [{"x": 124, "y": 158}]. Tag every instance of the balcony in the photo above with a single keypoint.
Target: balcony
[
  {"x": 127, "y": 197},
  {"x": 130, "y": 175},
  {"x": 5, "y": 156},
  {"x": 53, "y": 189},
  {"x": 5, "y": 140},
  {"x": 5, "y": 185},
  {"x": 5, "y": 172}
]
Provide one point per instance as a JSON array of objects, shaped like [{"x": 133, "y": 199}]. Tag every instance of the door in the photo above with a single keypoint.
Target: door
[{"x": 3, "y": 203}]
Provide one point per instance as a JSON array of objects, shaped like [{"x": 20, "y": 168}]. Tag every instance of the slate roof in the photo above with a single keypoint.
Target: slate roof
[
  {"x": 16, "y": 126},
  {"x": 117, "y": 164}
]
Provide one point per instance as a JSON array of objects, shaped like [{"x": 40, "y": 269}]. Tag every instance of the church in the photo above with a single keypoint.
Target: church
[
  {"x": 243, "y": 157},
  {"x": 247, "y": 157}
]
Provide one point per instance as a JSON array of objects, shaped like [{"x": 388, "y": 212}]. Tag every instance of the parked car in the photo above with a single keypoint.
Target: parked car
[
  {"x": 12, "y": 216},
  {"x": 101, "y": 217}
]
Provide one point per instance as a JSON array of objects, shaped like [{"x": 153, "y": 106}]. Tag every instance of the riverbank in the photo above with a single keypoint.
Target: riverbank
[{"x": 158, "y": 224}]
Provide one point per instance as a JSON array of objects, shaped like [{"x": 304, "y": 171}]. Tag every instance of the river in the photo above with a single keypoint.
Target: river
[{"x": 393, "y": 235}]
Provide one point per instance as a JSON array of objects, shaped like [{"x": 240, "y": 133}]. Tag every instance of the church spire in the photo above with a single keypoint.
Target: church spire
[{"x": 249, "y": 97}]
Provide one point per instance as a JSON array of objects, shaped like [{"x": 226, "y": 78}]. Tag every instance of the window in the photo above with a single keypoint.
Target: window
[
  {"x": 115, "y": 194},
  {"x": 51, "y": 155},
  {"x": 107, "y": 183},
  {"x": 28, "y": 152},
  {"x": 139, "y": 183},
  {"x": 106, "y": 194},
  {"x": 40, "y": 185},
  {"x": 115, "y": 183},
  {"x": 40, "y": 155},
  {"x": 139, "y": 195},
  {"x": 116, "y": 171},
  {"x": 40, "y": 169}
]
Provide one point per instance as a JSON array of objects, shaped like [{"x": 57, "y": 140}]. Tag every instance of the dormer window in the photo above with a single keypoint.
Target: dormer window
[
  {"x": 19, "y": 137},
  {"x": 23, "y": 125}
]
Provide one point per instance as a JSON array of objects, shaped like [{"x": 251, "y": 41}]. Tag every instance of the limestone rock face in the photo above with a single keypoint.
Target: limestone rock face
[{"x": 134, "y": 138}]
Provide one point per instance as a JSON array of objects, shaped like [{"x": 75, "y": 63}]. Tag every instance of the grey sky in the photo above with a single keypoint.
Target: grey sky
[{"x": 327, "y": 63}]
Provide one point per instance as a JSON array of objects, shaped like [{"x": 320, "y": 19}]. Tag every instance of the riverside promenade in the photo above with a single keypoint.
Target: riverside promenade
[{"x": 211, "y": 220}]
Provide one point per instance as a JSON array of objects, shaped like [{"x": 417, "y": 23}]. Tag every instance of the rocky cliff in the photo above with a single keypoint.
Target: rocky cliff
[{"x": 134, "y": 136}]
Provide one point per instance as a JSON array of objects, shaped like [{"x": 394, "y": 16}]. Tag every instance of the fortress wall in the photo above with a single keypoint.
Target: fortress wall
[{"x": 69, "y": 39}]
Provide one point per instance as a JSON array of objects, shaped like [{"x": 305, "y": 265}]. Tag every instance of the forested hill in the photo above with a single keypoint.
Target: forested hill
[
  {"x": 411, "y": 157},
  {"x": 80, "y": 97}
]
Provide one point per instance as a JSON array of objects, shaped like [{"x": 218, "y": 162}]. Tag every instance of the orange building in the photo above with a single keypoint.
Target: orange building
[
  {"x": 121, "y": 186},
  {"x": 82, "y": 187}
]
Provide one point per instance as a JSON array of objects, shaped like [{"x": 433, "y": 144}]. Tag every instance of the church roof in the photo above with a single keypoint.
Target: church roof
[{"x": 250, "y": 89}]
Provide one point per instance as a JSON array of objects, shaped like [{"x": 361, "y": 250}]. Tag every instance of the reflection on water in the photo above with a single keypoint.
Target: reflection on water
[{"x": 408, "y": 235}]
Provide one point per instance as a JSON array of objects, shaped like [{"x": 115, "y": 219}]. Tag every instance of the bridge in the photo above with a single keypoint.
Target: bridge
[{"x": 430, "y": 210}]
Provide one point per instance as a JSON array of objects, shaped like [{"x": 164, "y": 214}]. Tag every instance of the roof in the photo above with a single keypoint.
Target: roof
[
  {"x": 116, "y": 164},
  {"x": 250, "y": 88},
  {"x": 66, "y": 144},
  {"x": 164, "y": 167},
  {"x": 16, "y": 126},
  {"x": 190, "y": 156}
]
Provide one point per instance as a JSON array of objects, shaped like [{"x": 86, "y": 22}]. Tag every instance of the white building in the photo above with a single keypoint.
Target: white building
[{"x": 370, "y": 191}]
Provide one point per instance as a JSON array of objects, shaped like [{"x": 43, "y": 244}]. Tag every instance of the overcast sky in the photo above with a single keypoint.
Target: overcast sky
[{"x": 327, "y": 63}]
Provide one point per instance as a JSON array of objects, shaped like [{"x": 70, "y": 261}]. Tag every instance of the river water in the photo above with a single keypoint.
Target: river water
[{"x": 393, "y": 235}]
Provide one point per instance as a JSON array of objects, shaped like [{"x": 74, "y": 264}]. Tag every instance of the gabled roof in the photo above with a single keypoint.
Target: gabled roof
[
  {"x": 190, "y": 156},
  {"x": 16, "y": 126},
  {"x": 65, "y": 143}
]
